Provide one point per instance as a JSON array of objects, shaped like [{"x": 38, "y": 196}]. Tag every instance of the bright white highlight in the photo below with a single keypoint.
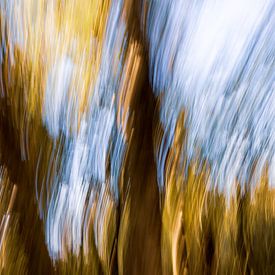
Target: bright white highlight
[{"x": 215, "y": 59}]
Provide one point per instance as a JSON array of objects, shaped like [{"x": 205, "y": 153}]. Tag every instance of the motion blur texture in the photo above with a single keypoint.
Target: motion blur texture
[{"x": 137, "y": 137}]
